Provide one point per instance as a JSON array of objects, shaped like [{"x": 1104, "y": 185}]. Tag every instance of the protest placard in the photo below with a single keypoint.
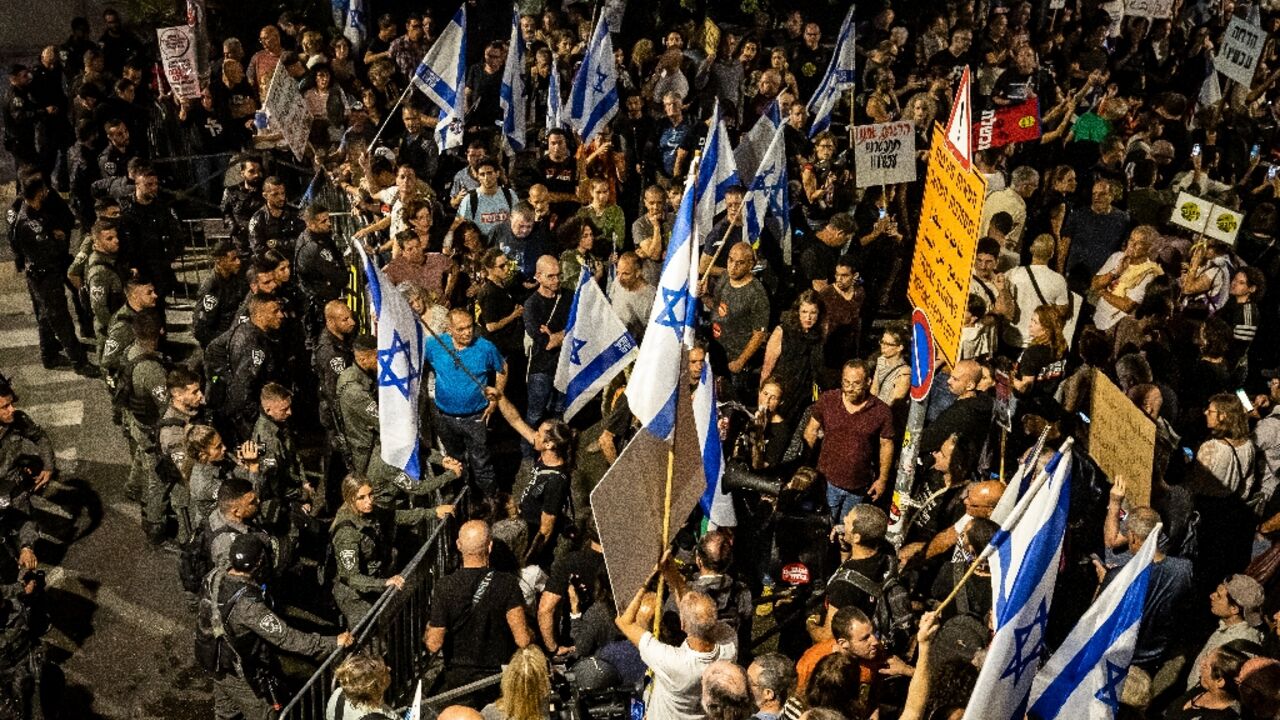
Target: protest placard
[
  {"x": 1000, "y": 126},
  {"x": 946, "y": 243},
  {"x": 1201, "y": 216},
  {"x": 288, "y": 113},
  {"x": 1122, "y": 439},
  {"x": 1224, "y": 224},
  {"x": 178, "y": 55},
  {"x": 884, "y": 154},
  {"x": 1148, "y": 8},
  {"x": 1241, "y": 47}
]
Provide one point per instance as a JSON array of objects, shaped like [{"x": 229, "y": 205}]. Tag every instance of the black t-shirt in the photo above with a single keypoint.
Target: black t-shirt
[
  {"x": 579, "y": 567},
  {"x": 547, "y": 492},
  {"x": 560, "y": 177},
  {"x": 477, "y": 634},
  {"x": 843, "y": 594},
  {"x": 818, "y": 262},
  {"x": 553, "y": 312},
  {"x": 495, "y": 304},
  {"x": 1038, "y": 361}
]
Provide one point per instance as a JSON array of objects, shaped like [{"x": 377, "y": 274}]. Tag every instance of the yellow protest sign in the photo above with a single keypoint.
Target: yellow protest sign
[
  {"x": 946, "y": 242},
  {"x": 1122, "y": 439}
]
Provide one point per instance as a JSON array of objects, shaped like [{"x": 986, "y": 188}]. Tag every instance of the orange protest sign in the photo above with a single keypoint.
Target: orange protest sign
[{"x": 946, "y": 242}]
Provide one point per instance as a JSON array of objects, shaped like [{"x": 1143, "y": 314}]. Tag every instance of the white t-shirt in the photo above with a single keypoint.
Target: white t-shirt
[
  {"x": 676, "y": 692},
  {"x": 1106, "y": 315},
  {"x": 1018, "y": 280}
]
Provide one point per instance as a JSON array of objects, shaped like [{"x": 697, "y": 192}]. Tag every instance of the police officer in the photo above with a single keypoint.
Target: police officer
[
  {"x": 41, "y": 248},
  {"x": 113, "y": 162},
  {"x": 362, "y": 537},
  {"x": 240, "y": 202},
  {"x": 19, "y": 435},
  {"x": 104, "y": 279},
  {"x": 21, "y": 654},
  {"x": 143, "y": 390},
  {"x": 186, "y": 401},
  {"x": 275, "y": 225},
  {"x": 219, "y": 294},
  {"x": 332, "y": 355},
  {"x": 139, "y": 295},
  {"x": 21, "y": 117},
  {"x": 254, "y": 358},
  {"x": 153, "y": 235},
  {"x": 321, "y": 269},
  {"x": 283, "y": 483},
  {"x": 253, "y": 634}
]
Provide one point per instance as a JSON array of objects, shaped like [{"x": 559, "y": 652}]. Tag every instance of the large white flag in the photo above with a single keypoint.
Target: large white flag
[
  {"x": 766, "y": 205},
  {"x": 655, "y": 381},
  {"x": 717, "y": 172},
  {"x": 555, "y": 103},
  {"x": 356, "y": 28},
  {"x": 596, "y": 346},
  {"x": 1024, "y": 557},
  {"x": 441, "y": 76},
  {"x": 752, "y": 146},
  {"x": 514, "y": 101},
  {"x": 593, "y": 100},
  {"x": 840, "y": 77},
  {"x": 1085, "y": 677},
  {"x": 399, "y": 372}
]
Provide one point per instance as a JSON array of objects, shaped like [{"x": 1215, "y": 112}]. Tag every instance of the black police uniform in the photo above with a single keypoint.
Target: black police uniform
[
  {"x": 239, "y": 203},
  {"x": 320, "y": 270},
  {"x": 45, "y": 259},
  {"x": 216, "y": 304},
  {"x": 152, "y": 238},
  {"x": 272, "y": 232},
  {"x": 255, "y": 359}
]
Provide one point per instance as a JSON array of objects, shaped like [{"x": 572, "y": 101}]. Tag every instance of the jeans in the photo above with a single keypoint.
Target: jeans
[
  {"x": 841, "y": 501},
  {"x": 544, "y": 401},
  {"x": 467, "y": 437}
]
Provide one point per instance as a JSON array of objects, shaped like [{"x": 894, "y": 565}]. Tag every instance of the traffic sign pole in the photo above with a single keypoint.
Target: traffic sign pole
[{"x": 922, "y": 361}]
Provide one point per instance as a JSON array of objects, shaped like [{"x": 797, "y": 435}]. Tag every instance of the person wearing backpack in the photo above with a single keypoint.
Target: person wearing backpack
[
  {"x": 868, "y": 578},
  {"x": 713, "y": 557},
  {"x": 186, "y": 405},
  {"x": 142, "y": 394},
  {"x": 489, "y": 205},
  {"x": 238, "y": 636}
]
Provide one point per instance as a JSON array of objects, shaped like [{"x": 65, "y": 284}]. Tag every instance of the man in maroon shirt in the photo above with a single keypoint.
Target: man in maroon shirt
[{"x": 855, "y": 465}]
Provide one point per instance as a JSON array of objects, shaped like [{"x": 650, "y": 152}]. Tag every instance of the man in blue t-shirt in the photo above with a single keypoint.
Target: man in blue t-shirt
[{"x": 459, "y": 360}]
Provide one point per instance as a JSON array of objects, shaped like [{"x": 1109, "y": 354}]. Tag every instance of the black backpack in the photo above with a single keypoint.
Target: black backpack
[
  {"x": 891, "y": 618},
  {"x": 217, "y": 368},
  {"x": 195, "y": 561},
  {"x": 213, "y": 649}
]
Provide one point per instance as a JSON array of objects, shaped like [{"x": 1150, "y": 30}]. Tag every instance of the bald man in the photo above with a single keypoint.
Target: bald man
[
  {"x": 630, "y": 296},
  {"x": 676, "y": 691},
  {"x": 546, "y": 313},
  {"x": 980, "y": 500},
  {"x": 724, "y": 690},
  {"x": 740, "y": 317},
  {"x": 483, "y": 612},
  {"x": 333, "y": 348},
  {"x": 460, "y": 712},
  {"x": 969, "y": 417}
]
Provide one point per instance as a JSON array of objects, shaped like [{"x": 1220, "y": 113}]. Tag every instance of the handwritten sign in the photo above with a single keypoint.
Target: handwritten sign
[
  {"x": 288, "y": 113},
  {"x": 178, "y": 54},
  {"x": 1241, "y": 48},
  {"x": 1005, "y": 405},
  {"x": 946, "y": 243},
  {"x": 884, "y": 154},
  {"x": 1122, "y": 439},
  {"x": 1201, "y": 216},
  {"x": 1148, "y": 8}
]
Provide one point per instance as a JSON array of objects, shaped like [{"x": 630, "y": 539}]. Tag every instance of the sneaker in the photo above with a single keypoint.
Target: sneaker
[
  {"x": 55, "y": 362},
  {"x": 84, "y": 369}
]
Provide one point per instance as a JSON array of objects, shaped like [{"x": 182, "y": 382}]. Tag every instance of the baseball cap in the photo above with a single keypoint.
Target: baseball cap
[{"x": 1247, "y": 593}]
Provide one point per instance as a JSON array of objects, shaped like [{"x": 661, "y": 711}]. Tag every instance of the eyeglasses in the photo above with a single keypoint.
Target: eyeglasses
[{"x": 890, "y": 343}]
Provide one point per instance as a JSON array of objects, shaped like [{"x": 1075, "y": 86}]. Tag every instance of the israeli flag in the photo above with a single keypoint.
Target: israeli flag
[
  {"x": 593, "y": 100},
  {"x": 840, "y": 77},
  {"x": 1085, "y": 677},
  {"x": 399, "y": 372},
  {"x": 356, "y": 27},
  {"x": 514, "y": 102},
  {"x": 717, "y": 172},
  {"x": 752, "y": 146},
  {"x": 717, "y": 505},
  {"x": 441, "y": 76},
  {"x": 596, "y": 346},
  {"x": 1022, "y": 479},
  {"x": 555, "y": 104},
  {"x": 338, "y": 9},
  {"x": 1024, "y": 557},
  {"x": 766, "y": 200},
  {"x": 655, "y": 381}
]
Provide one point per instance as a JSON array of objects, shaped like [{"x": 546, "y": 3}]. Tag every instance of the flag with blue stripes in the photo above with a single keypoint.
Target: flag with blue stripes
[
  {"x": 356, "y": 26},
  {"x": 1084, "y": 679},
  {"x": 596, "y": 346},
  {"x": 655, "y": 381},
  {"x": 555, "y": 103},
  {"x": 717, "y": 172},
  {"x": 1022, "y": 479},
  {"x": 839, "y": 78},
  {"x": 593, "y": 99},
  {"x": 766, "y": 206},
  {"x": 1024, "y": 557},
  {"x": 441, "y": 76},
  {"x": 752, "y": 146},
  {"x": 512, "y": 93},
  {"x": 717, "y": 505},
  {"x": 399, "y": 370}
]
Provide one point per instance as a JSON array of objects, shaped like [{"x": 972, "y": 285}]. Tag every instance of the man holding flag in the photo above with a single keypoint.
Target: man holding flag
[
  {"x": 513, "y": 97},
  {"x": 593, "y": 101},
  {"x": 839, "y": 78},
  {"x": 441, "y": 76},
  {"x": 596, "y": 346}
]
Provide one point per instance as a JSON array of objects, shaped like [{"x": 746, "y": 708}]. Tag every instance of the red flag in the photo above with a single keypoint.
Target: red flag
[{"x": 997, "y": 127}]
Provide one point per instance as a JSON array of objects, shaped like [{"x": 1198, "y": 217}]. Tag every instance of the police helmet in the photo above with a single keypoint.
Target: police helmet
[{"x": 247, "y": 552}]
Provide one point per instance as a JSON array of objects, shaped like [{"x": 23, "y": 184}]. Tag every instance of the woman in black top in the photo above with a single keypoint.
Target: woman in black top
[
  {"x": 793, "y": 355},
  {"x": 1216, "y": 697},
  {"x": 545, "y": 503},
  {"x": 1042, "y": 365}
]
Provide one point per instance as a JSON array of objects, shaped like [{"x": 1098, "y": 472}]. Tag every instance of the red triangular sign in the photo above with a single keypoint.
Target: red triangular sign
[{"x": 959, "y": 132}]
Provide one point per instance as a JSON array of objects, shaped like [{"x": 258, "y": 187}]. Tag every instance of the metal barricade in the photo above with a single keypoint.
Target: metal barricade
[
  {"x": 195, "y": 262},
  {"x": 394, "y": 626}
]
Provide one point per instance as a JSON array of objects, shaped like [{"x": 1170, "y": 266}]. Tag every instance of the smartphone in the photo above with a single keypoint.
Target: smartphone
[
  {"x": 1186, "y": 452},
  {"x": 1244, "y": 400},
  {"x": 1255, "y": 151},
  {"x": 1195, "y": 150},
  {"x": 1084, "y": 417},
  {"x": 1271, "y": 172},
  {"x": 883, "y": 212}
]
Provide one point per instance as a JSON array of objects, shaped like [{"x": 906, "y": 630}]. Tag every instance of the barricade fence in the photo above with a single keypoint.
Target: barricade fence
[{"x": 394, "y": 626}]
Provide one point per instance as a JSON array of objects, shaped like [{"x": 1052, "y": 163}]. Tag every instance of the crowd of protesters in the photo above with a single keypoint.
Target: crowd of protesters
[{"x": 255, "y": 452}]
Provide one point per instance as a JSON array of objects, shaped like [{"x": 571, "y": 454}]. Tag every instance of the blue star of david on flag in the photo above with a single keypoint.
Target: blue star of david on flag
[
  {"x": 387, "y": 376},
  {"x": 671, "y": 317},
  {"x": 1026, "y": 654},
  {"x": 575, "y": 350},
  {"x": 1109, "y": 695}
]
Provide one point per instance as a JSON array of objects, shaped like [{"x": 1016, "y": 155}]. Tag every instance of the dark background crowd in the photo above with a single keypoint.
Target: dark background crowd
[{"x": 254, "y": 440}]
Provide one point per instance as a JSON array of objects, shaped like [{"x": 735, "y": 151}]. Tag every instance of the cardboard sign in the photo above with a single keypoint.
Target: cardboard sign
[
  {"x": 288, "y": 113},
  {"x": 1148, "y": 8},
  {"x": 178, "y": 54},
  {"x": 997, "y": 127},
  {"x": 1203, "y": 217},
  {"x": 946, "y": 243},
  {"x": 1241, "y": 47},
  {"x": 884, "y": 154},
  {"x": 1122, "y": 439},
  {"x": 1005, "y": 405}
]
